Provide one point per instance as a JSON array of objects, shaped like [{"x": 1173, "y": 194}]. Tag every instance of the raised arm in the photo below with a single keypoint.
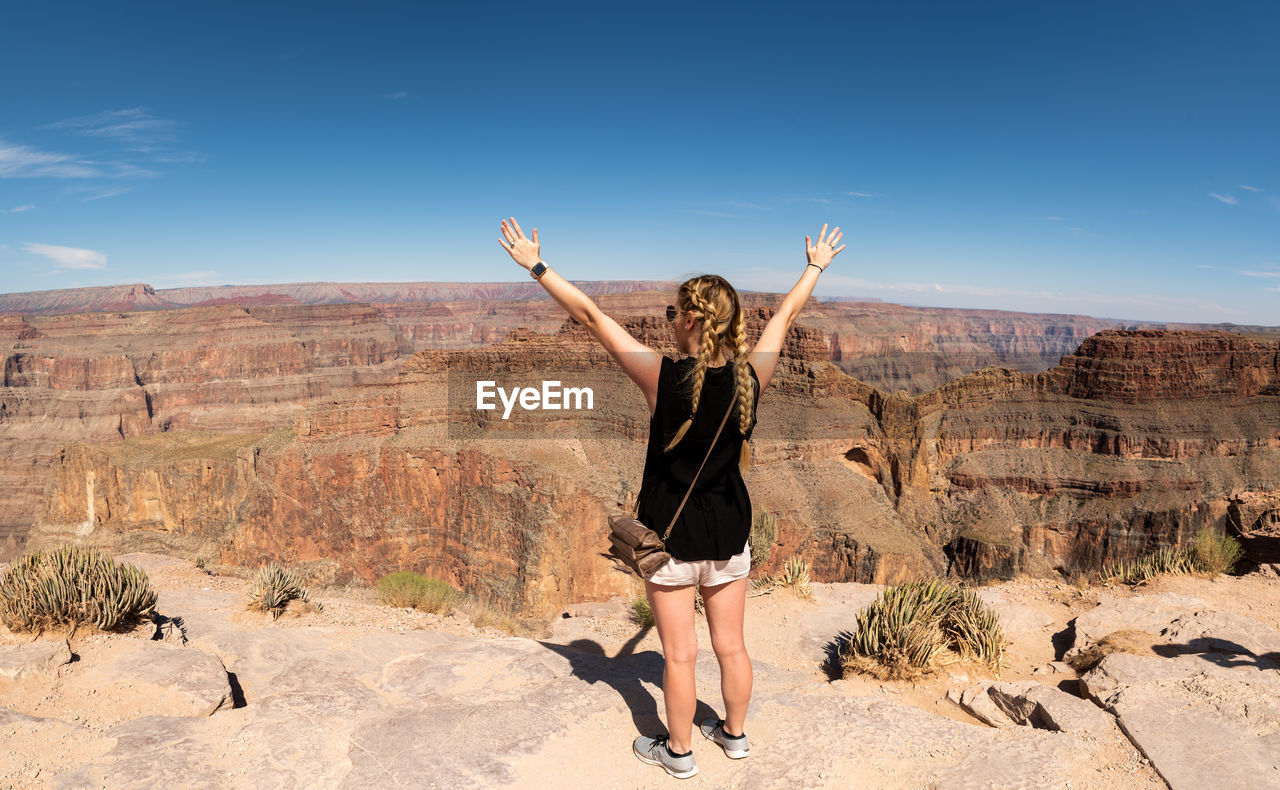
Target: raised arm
[
  {"x": 764, "y": 355},
  {"x": 641, "y": 363}
]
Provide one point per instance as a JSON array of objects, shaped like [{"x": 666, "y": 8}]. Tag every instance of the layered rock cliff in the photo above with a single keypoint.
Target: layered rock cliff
[
  {"x": 993, "y": 475},
  {"x": 316, "y": 434}
]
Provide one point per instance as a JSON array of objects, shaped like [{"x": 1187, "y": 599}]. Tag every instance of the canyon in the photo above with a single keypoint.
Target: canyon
[{"x": 336, "y": 438}]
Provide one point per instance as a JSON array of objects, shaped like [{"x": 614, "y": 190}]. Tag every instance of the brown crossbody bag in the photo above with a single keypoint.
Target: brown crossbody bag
[{"x": 640, "y": 548}]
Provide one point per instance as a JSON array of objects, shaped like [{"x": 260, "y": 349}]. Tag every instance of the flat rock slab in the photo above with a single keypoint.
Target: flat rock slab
[
  {"x": 1204, "y": 720},
  {"x": 1015, "y": 618},
  {"x": 1205, "y": 631},
  {"x": 43, "y": 657},
  {"x": 67, "y": 743},
  {"x": 174, "y": 680},
  {"x": 1151, "y": 613}
]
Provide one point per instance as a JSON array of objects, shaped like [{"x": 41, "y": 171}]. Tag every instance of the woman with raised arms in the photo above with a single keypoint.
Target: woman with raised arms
[{"x": 687, "y": 398}]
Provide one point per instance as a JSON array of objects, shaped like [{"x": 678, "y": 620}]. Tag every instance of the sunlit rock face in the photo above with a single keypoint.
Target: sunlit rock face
[{"x": 319, "y": 434}]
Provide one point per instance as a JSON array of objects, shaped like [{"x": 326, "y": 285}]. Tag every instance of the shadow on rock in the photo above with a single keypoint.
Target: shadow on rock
[
  {"x": 833, "y": 652},
  {"x": 626, "y": 673},
  {"x": 1225, "y": 654},
  {"x": 1063, "y": 640}
]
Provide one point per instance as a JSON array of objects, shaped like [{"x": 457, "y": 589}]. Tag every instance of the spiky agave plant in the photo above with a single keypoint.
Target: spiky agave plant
[
  {"x": 1170, "y": 560},
  {"x": 274, "y": 587},
  {"x": 911, "y": 627},
  {"x": 795, "y": 574},
  {"x": 71, "y": 585}
]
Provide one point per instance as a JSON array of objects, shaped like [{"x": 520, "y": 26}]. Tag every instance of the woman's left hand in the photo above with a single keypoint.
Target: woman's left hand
[{"x": 522, "y": 250}]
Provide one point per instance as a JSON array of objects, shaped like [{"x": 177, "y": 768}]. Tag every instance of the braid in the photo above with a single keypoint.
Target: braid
[
  {"x": 746, "y": 387},
  {"x": 714, "y": 300},
  {"x": 707, "y": 314}
]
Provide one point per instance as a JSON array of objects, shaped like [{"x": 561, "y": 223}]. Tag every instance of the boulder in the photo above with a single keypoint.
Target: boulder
[
  {"x": 1030, "y": 703},
  {"x": 980, "y": 705}
]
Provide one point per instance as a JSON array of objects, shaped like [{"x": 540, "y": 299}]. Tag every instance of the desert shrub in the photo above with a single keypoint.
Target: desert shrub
[
  {"x": 912, "y": 628},
  {"x": 1215, "y": 552},
  {"x": 273, "y": 587},
  {"x": 641, "y": 613},
  {"x": 406, "y": 588},
  {"x": 764, "y": 531},
  {"x": 1170, "y": 560},
  {"x": 794, "y": 574},
  {"x": 485, "y": 614},
  {"x": 1210, "y": 552},
  {"x": 73, "y": 586}
]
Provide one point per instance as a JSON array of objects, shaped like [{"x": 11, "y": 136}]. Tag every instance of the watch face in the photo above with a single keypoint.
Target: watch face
[{"x": 538, "y": 268}]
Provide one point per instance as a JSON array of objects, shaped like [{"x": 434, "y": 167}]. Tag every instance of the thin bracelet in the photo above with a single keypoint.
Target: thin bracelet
[{"x": 814, "y": 264}]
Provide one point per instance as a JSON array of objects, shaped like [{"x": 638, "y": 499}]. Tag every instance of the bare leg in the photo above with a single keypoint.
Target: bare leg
[
  {"x": 673, "y": 612},
  {"x": 725, "y": 605}
]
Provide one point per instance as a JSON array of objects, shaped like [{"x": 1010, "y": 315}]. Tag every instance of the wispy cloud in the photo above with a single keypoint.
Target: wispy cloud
[
  {"x": 1053, "y": 219},
  {"x": 818, "y": 200},
  {"x": 863, "y": 194},
  {"x": 135, "y": 126},
  {"x": 1205, "y": 266},
  {"x": 22, "y": 161},
  {"x": 752, "y": 206},
  {"x": 396, "y": 96},
  {"x": 1230, "y": 200},
  {"x": 68, "y": 257},
  {"x": 1081, "y": 233},
  {"x": 1251, "y": 189},
  {"x": 1248, "y": 273},
  {"x": 17, "y": 209},
  {"x": 94, "y": 192}
]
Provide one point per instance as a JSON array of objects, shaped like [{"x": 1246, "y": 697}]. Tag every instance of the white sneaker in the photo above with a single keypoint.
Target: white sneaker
[
  {"x": 654, "y": 751},
  {"x": 735, "y": 748}
]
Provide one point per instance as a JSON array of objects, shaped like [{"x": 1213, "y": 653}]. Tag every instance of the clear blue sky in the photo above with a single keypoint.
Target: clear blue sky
[{"x": 1114, "y": 159}]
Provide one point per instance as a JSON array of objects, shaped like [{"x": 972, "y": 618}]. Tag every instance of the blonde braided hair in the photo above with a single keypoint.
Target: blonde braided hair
[{"x": 715, "y": 303}]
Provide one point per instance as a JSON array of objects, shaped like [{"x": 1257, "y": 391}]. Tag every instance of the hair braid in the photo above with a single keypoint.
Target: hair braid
[
  {"x": 706, "y": 311},
  {"x": 746, "y": 387}
]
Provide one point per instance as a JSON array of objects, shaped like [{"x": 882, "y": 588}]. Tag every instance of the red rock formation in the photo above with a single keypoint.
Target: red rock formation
[{"x": 332, "y": 459}]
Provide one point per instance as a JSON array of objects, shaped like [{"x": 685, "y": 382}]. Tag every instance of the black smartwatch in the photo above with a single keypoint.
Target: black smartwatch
[{"x": 538, "y": 269}]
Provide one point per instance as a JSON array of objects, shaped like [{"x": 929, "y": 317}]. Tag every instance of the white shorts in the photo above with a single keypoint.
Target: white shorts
[{"x": 704, "y": 572}]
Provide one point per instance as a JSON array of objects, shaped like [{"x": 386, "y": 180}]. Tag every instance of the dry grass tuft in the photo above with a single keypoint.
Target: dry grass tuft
[{"x": 1126, "y": 640}]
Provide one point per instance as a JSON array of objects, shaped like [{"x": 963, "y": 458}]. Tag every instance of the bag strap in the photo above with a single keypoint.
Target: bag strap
[{"x": 723, "y": 420}]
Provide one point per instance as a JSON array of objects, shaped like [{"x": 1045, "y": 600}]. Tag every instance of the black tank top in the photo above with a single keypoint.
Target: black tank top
[{"x": 716, "y": 521}]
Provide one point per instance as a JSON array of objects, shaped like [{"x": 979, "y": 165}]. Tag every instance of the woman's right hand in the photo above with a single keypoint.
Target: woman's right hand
[{"x": 820, "y": 254}]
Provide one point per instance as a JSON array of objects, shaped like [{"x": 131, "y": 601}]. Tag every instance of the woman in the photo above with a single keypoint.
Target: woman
[{"x": 687, "y": 399}]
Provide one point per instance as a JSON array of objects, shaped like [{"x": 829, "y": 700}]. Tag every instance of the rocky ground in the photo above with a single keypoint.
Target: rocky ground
[{"x": 361, "y": 695}]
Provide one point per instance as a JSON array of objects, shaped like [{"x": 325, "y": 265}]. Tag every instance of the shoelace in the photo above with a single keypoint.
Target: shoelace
[{"x": 661, "y": 743}]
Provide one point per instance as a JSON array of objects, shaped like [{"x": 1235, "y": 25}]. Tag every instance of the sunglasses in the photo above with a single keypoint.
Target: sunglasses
[{"x": 672, "y": 312}]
